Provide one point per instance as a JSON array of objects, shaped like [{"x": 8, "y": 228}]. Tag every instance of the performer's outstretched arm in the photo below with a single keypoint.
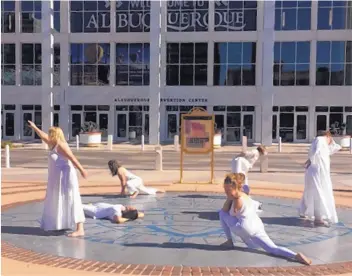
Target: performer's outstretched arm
[{"x": 42, "y": 135}]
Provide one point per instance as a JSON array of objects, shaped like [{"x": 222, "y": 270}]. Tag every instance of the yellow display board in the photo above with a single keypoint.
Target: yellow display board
[{"x": 197, "y": 136}]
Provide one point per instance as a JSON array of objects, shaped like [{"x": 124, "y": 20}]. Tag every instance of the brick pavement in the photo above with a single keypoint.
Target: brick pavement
[{"x": 16, "y": 260}]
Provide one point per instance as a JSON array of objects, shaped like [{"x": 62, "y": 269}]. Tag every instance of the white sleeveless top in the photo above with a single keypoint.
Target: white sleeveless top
[
  {"x": 246, "y": 210},
  {"x": 130, "y": 176}
]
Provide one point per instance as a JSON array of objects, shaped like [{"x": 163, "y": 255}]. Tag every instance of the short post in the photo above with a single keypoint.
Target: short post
[
  {"x": 351, "y": 146},
  {"x": 110, "y": 142},
  {"x": 264, "y": 164},
  {"x": 142, "y": 142},
  {"x": 7, "y": 153},
  {"x": 280, "y": 145},
  {"x": 176, "y": 145},
  {"x": 159, "y": 158},
  {"x": 77, "y": 142},
  {"x": 244, "y": 143}
]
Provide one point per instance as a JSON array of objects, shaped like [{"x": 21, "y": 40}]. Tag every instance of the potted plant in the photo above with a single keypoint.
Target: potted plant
[
  {"x": 339, "y": 133},
  {"x": 90, "y": 135},
  {"x": 217, "y": 139}
]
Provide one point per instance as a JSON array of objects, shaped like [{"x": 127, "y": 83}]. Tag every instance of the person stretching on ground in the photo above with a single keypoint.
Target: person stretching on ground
[
  {"x": 116, "y": 213},
  {"x": 133, "y": 183}
]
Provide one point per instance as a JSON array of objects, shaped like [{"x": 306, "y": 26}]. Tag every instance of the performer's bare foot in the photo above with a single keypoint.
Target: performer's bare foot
[
  {"x": 77, "y": 233},
  {"x": 160, "y": 191},
  {"x": 134, "y": 195},
  {"x": 321, "y": 223},
  {"x": 303, "y": 216},
  {"x": 303, "y": 259},
  {"x": 227, "y": 244}
]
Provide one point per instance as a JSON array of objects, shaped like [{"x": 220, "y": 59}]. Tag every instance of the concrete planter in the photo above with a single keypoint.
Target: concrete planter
[
  {"x": 217, "y": 141},
  {"x": 90, "y": 139},
  {"x": 343, "y": 140}
]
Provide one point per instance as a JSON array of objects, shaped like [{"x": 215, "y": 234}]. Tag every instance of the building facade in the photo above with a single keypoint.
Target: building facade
[{"x": 266, "y": 69}]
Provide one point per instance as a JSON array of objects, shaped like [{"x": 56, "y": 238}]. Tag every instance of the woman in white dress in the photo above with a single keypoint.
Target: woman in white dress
[
  {"x": 133, "y": 183},
  {"x": 318, "y": 201},
  {"x": 239, "y": 217},
  {"x": 62, "y": 205}
]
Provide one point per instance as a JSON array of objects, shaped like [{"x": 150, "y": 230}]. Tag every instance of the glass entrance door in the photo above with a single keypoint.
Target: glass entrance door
[
  {"x": 301, "y": 127},
  {"x": 286, "y": 127},
  {"x": 121, "y": 126},
  {"x": 103, "y": 121},
  {"x": 172, "y": 125},
  {"x": 27, "y": 132},
  {"x": 220, "y": 124},
  {"x": 8, "y": 130},
  {"x": 248, "y": 126},
  {"x": 348, "y": 121},
  {"x": 76, "y": 123},
  {"x": 233, "y": 127},
  {"x": 146, "y": 127},
  {"x": 322, "y": 122}
]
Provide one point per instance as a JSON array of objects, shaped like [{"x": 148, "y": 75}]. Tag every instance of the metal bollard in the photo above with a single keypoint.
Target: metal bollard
[
  {"x": 351, "y": 146},
  {"x": 7, "y": 153},
  {"x": 110, "y": 142},
  {"x": 77, "y": 142},
  {"x": 142, "y": 143},
  {"x": 176, "y": 145},
  {"x": 244, "y": 143},
  {"x": 280, "y": 145},
  {"x": 264, "y": 164},
  {"x": 159, "y": 158}
]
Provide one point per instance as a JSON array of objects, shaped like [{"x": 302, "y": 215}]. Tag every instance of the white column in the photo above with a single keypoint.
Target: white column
[
  {"x": 268, "y": 38},
  {"x": 210, "y": 78},
  {"x": 155, "y": 81},
  {"x": 64, "y": 69},
  {"x": 47, "y": 64},
  {"x": 111, "y": 121},
  {"x": 18, "y": 44},
  {"x": 112, "y": 44}
]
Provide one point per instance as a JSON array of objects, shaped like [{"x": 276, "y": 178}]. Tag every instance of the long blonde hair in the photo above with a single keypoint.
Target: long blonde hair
[
  {"x": 236, "y": 180},
  {"x": 56, "y": 135}
]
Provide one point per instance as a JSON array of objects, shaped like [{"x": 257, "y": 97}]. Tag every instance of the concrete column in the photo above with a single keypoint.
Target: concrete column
[
  {"x": 47, "y": 64},
  {"x": 112, "y": 44},
  {"x": 18, "y": 120},
  {"x": 64, "y": 69},
  {"x": 267, "y": 41},
  {"x": 111, "y": 122},
  {"x": 155, "y": 81},
  {"x": 18, "y": 16},
  {"x": 210, "y": 66}
]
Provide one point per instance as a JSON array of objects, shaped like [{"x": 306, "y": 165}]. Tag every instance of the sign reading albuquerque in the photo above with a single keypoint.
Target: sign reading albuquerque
[{"x": 182, "y": 16}]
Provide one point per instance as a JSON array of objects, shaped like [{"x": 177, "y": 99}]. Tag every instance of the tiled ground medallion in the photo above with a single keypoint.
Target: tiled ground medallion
[{"x": 181, "y": 229}]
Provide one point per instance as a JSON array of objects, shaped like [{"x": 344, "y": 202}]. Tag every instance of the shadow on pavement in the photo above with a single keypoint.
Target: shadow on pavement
[
  {"x": 105, "y": 195},
  {"x": 204, "y": 215},
  {"x": 286, "y": 221},
  {"x": 202, "y": 196},
  {"x": 30, "y": 231}
]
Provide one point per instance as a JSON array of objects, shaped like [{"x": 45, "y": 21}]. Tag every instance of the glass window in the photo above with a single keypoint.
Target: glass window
[
  {"x": 132, "y": 16},
  {"x": 31, "y": 16},
  {"x": 90, "y": 16},
  {"x": 235, "y": 16},
  {"x": 8, "y": 64},
  {"x": 334, "y": 63},
  {"x": 186, "y": 64},
  {"x": 334, "y": 15},
  {"x": 57, "y": 25},
  {"x": 187, "y": 16},
  {"x": 31, "y": 67},
  {"x": 90, "y": 64},
  {"x": 56, "y": 63},
  {"x": 8, "y": 17},
  {"x": 291, "y": 63},
  {"x": 292, "y": 15},
  {"x": 132, "y": 64},
  {"x": 234, "y": 63}
]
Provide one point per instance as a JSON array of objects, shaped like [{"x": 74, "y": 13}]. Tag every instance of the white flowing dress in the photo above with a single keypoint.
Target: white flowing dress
[
  {"x": 318, "y": 200},
  {"x": 135, "y": 184},
  {"x": 62, "y": 205}
]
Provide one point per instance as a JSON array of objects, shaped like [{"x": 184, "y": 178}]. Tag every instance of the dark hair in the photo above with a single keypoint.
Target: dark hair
[
  {"x": 114, "y": 166},
  {"x": 324, "y": 133},
  {"x": 261, "y": 149},
  {"x": 130, "y": 214}
]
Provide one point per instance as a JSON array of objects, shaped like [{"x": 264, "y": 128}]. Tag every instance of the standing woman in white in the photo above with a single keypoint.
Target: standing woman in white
[
  {"x": 62, "y": 205},
  {"x": 318, "y": 200},
  {"x": 133, "y": 183},
  {"x": 239, "y": 217}
]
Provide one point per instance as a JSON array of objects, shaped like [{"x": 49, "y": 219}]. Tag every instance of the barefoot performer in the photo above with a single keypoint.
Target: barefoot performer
[
  {"x": 116, "y": 213},
  {"x": 239, "y": 217},
  {"x": 62, "y": 205},
  {"x": 133, "y": 183}
]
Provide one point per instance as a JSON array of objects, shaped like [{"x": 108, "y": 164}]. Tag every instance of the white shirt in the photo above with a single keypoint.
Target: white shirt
[{"x": 103, "y": 210}]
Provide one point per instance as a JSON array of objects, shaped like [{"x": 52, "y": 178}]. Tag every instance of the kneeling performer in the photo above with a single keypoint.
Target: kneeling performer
[
  {"x": 133, "y": 183},
  {"x": 116, "y": 213}
]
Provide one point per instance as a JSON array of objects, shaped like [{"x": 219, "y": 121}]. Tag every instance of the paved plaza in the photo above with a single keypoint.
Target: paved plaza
[{"x": 181, "y": 229}]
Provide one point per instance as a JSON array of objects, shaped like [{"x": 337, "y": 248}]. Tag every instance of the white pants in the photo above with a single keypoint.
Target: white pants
[
  {"x": 102, "y": 210},
  {"x": 261, "y": 239},
  {"x": 136, "y": 185}
]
